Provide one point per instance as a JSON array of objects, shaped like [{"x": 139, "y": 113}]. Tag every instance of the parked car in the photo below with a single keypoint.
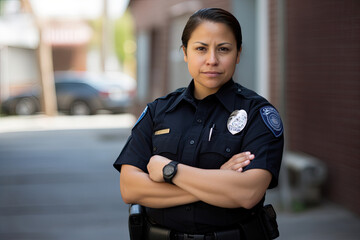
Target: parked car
[{"x": 78, "y": 93}]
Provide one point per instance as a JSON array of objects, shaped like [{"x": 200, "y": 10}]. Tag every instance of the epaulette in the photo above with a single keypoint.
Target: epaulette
[{"x": 247, "y": 93}]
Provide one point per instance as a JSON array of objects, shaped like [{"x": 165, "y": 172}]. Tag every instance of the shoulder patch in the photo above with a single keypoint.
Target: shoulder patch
[
  {"x": 272, "y": 120},
  {"x": 141, "y": 116}
]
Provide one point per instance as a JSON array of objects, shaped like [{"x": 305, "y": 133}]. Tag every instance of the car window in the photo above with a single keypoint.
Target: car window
[{"x": 73, "y": 88}]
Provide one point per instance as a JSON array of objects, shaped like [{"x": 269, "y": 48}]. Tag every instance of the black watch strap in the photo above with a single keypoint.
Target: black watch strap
[{"x": 169, "y": 171}]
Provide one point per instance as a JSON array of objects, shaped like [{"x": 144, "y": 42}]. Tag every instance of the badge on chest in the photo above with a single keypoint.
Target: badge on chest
[{"x": 237, "y": 121}]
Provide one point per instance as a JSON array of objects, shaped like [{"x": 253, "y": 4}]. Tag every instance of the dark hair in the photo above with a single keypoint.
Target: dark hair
[{"x": 216, "y": 15}]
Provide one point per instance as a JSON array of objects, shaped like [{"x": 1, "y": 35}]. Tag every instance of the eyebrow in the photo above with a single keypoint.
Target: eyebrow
[{"x": 221, "y": 44}]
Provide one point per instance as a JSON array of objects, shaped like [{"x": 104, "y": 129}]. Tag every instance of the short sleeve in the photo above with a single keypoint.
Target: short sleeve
[
  {"x": 138, "y": 148},
  {"x": 267, "y": 145}
]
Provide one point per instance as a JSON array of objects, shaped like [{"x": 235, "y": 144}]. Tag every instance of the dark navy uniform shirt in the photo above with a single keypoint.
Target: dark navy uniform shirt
[{"x": 177, "y": 126}]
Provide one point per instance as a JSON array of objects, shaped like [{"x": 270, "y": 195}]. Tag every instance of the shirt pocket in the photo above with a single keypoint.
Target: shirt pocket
[
  {"x": 215, "y": 153},
  {"x": 166, "y": 145}
]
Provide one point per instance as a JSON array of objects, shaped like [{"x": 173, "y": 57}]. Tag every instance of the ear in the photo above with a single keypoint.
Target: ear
[
  {"x": 238, "y": 56},
  {"x": 185, "y": 55}
]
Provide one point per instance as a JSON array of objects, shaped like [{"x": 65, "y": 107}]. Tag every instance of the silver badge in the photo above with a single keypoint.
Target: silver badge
[{"x": 237, "y": 121}]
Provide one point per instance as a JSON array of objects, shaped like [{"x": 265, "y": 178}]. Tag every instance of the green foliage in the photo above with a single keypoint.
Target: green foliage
[{"x": 298, "y": 206}]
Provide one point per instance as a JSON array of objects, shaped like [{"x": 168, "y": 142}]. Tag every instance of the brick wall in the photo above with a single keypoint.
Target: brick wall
[
  {"x": 323, "y": 90},
  {"x": 274, "y": 55}
]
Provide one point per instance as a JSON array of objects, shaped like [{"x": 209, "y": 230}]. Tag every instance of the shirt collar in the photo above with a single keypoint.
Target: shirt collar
[
  {"x": 186, "y": 95},
  {"x": 225, "y": 95}
]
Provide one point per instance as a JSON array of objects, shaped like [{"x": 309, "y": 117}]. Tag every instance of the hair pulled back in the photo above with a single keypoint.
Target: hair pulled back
[{"x": 216, "y": 15}]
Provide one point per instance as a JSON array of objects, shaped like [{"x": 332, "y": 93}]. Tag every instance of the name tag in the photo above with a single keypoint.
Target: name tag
[{"x": 162, "y": 131}]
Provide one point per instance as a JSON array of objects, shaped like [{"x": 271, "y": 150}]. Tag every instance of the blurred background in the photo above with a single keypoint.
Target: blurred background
[{"x": 75, "y": 75}]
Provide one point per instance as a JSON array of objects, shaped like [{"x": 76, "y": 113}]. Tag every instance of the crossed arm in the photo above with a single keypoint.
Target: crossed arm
[{"x": 227, "y": 187}]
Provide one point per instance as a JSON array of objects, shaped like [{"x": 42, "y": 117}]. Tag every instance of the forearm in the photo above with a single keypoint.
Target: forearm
[
  {"x": 224, "y": 188},
  {"x": 137, "y": 187}
]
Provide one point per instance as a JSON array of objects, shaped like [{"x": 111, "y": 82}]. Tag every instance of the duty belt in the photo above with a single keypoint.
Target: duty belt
[{"x": 261, "y": 225}]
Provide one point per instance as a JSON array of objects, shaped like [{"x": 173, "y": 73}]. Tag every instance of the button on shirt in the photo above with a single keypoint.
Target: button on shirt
[{"x": 178, "y": 127}]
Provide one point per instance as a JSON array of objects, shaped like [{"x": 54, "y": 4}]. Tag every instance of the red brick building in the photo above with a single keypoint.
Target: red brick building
[
  {"x": 322, "y": 78},
  {"x": 303, "y": 55}
]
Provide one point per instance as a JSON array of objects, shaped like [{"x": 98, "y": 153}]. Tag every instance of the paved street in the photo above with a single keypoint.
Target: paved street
[
  {"x": 57, "y": 182},
  {"x": 61, "y": 185}
]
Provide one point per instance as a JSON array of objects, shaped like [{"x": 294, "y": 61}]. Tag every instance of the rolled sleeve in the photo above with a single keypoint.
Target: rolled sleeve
[{"x": 266, "y": 147}]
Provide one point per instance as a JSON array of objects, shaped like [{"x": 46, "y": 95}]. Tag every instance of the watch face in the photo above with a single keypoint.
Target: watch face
[{"x": 168, "y": 170}]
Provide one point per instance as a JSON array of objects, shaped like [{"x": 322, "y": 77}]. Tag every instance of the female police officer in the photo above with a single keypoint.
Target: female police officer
[{"x": 188, "y": 157}]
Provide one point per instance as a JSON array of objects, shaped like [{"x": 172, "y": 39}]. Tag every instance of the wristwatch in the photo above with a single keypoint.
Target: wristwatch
[{"x": 169, "y": 171}]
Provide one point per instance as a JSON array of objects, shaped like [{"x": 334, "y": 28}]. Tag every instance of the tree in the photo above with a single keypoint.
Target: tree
[{"x": 45, "y": 63}]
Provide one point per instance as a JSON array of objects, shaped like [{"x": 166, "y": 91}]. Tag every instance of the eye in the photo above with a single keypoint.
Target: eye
[
  {"x": 224, "y": 49},
  {"x": 201, "y": 49}
]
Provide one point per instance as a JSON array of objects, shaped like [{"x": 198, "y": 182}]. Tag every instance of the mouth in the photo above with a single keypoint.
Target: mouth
[{"x": 211, "y": 73}]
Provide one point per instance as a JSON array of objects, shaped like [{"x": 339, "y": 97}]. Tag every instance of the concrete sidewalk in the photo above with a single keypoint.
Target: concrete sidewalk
[
  {"x": 64, "y": 122},
  {"x": 326, "y": 221}
]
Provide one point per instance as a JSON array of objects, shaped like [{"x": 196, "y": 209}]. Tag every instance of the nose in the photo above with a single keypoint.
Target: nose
[{"x": 212, "y": 58}]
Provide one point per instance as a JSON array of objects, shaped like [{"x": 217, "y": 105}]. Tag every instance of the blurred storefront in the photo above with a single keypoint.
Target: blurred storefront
[
  {"x": 304, "y": 56},
  {"x": 69, "y": 41}
]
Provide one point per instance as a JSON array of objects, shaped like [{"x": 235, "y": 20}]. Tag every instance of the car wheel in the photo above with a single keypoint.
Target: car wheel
[
  {"x": 25, "y": 106},
  {"x": 80, "y": 108}
]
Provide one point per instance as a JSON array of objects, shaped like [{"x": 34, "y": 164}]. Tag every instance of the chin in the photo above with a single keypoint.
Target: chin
[
  {"x": 211, "y": 83},
  {"x": 214, "y": 83}
]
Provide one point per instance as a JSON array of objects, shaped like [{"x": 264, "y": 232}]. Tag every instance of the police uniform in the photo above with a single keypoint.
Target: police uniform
[{"x": 205, "y": 134}]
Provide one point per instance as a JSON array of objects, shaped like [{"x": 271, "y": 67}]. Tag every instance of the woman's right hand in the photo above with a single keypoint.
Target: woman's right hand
[{"x": 238, "y": 161}]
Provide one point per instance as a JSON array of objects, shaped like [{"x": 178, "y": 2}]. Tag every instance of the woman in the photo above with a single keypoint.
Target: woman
[{"x": 201, "y": 158}]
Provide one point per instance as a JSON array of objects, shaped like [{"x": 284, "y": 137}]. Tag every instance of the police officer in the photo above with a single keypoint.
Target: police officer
[{"x": 201, "y": 158}]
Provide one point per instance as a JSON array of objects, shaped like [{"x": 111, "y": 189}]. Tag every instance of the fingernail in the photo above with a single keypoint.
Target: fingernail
[
  {"x": 239, "y": 170},
  {"x": 247, "y": 161}
]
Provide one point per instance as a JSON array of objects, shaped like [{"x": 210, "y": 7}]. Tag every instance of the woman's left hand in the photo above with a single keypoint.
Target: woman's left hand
[
  {"x": 155, "y": 167},
  {"x": 238, "y": 161}
]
